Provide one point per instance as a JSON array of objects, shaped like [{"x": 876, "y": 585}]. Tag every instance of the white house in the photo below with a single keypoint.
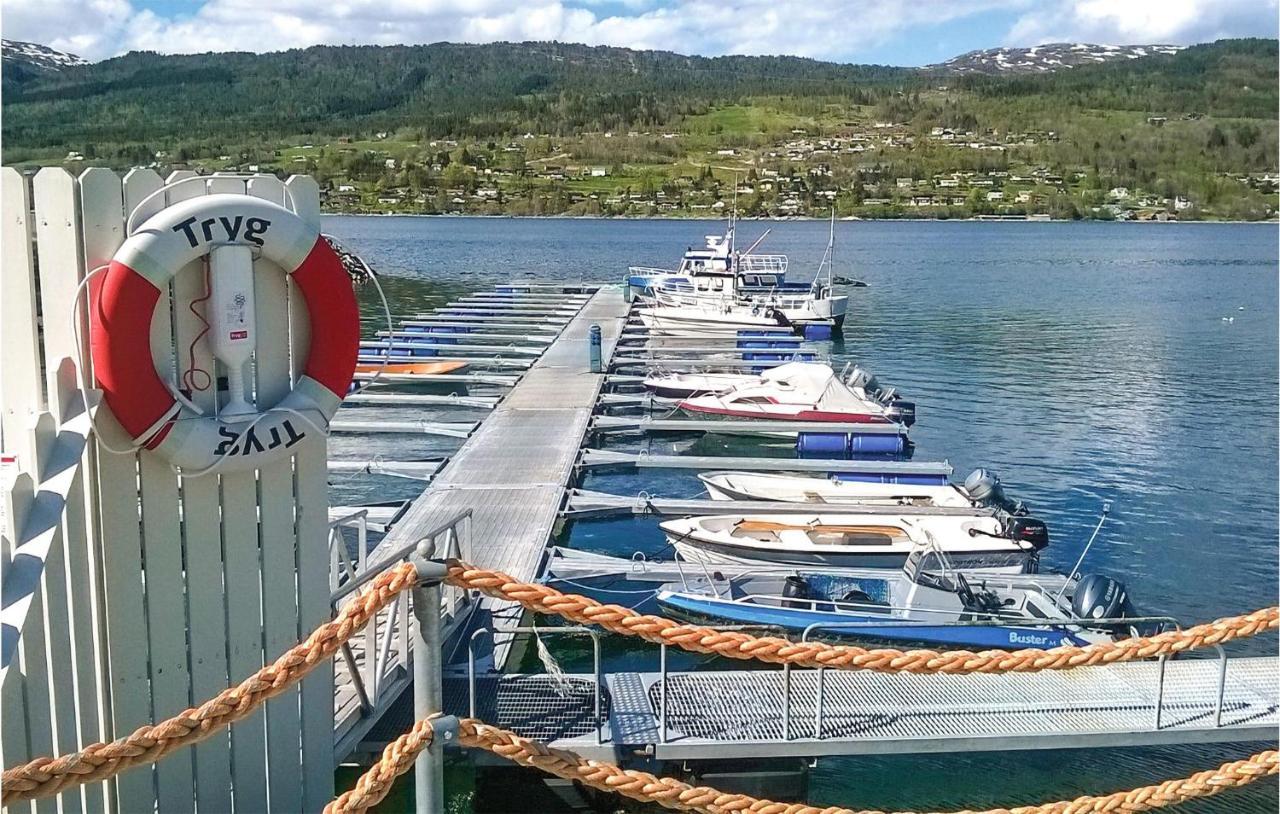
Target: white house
[
  {"x": 1119, "y": 193},
  {"x": 995, "y": 195}
]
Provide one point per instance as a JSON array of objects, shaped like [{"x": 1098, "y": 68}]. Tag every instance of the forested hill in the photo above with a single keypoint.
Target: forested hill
[
  {"x": 506, "y": 89},
  {"x": 444, "y": 89}
]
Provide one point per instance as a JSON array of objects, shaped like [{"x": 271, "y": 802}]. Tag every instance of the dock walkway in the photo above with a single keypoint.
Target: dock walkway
[{"x": 512, "y": 472}]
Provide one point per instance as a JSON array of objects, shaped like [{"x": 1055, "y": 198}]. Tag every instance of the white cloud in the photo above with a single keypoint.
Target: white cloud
[
  {"x": 97, "y": 29},
  {"x": 1138, "y": 22},
  {"x": 824, "y": 29}
]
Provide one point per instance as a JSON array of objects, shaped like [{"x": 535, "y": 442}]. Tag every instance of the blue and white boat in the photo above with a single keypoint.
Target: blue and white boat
[
  {"x": 717, "y": 288},
  {"x": 915, "y": 605}
]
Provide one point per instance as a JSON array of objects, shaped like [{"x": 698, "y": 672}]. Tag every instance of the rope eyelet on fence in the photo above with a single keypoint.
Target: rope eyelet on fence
[{"x": 47, "y": 776}]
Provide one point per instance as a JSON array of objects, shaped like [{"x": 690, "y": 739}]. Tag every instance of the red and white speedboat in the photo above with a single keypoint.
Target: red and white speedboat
[{"x": 798, "y": 391}]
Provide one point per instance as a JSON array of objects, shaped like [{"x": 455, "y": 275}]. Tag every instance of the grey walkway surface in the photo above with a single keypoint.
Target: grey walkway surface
[{"x": 512, "y": 472}]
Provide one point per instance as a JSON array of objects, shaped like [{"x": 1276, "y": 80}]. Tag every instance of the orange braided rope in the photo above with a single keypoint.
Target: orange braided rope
[
  {"x": 778, "y": 650},
  {"x": 46, "y": 776},
  {"x": 398, "y": 758}
]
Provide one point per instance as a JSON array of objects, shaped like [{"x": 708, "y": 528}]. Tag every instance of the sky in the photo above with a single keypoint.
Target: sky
[{"x": 914, "y": 32}]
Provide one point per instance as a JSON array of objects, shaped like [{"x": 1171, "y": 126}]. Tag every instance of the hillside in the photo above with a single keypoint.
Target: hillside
[
  {"x": 548, "y": 127},
  {"x": 25, "y": 61},
  {"x": 1046, "y": 58}
]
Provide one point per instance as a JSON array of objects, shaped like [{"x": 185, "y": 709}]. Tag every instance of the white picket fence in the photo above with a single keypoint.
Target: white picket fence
[{"x": 129, "y": 593}]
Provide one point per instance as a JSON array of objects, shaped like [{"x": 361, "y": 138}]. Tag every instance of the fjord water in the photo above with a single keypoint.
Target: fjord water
[{"x": 1085, "y": 363}]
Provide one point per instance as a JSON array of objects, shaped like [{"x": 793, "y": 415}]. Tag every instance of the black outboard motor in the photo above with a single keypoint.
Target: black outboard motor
[
  {"x": 1028, "y": 530},
  {"x": 984, "y": 488},
  {"x": 1099, "y": 597},
  {"x": 901, "y": 412},
  {"x": 794, "y": 588}
]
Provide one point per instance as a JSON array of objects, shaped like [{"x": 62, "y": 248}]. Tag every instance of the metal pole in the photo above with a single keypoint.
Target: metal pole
[
  {"x": 1160, "y": 691},
  {"x": 428, "y": 774}
]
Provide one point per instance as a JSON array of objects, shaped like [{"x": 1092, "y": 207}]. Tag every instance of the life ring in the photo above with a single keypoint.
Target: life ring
[{"x": 126, "y": 301}]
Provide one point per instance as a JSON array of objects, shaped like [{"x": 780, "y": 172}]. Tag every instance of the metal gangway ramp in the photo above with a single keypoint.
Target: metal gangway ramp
[{"x": 718, "y": 714}]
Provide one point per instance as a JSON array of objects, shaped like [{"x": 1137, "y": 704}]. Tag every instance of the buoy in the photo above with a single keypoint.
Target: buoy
[{"x": 232, "y": 231}]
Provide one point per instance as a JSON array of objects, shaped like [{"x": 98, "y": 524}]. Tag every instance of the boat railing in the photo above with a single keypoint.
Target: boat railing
[
  {"x": 648, "y": 271},
  {"x": 762, "y": 264},
  {"x": 377, "y": 658}
]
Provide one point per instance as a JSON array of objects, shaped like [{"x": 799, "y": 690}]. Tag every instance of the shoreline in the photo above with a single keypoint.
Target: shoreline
[{"x": 798, "y": 218}]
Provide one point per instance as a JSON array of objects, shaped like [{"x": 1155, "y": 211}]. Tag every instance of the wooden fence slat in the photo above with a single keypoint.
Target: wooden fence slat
[
  {"x": 101, "y": 232},
  {"x": 165, "y": 584},
  {"x": 312, "y": 488},
  {"x": 56, "y": 618},
  {"x": 21, "y": 393},
  {"x": 58, "y": 242},
  {"x": 119, "y": 537},
  {"x": 201, "y": 530},
  {"x": 277, "y": 535},
  {"x": 15, "y": 744},
  {"x": 242, "y": 561}
]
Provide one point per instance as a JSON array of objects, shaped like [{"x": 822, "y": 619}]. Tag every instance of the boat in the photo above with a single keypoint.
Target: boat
[
  {"x": 864, "y": 540},
  {"x": 717, "y": 286},
  {"x": 681, "y": 386},
  {"x": 980, "y": 489},
  {"x": 676, "y": 386},
  {"x": 365, "y": 371},
  {"x": 803, "y": 391},
  {"x": 937, "y": 606}
]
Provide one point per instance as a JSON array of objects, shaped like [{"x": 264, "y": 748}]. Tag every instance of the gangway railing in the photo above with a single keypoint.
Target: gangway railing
[{"x": 379, "y": 656}]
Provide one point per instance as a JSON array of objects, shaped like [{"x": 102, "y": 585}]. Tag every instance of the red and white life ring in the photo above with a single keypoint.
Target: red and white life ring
[{"x": 126, "y": 300}]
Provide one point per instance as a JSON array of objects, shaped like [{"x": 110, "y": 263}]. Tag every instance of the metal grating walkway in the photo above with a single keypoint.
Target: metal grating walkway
[{"x": 744, "y": 713}]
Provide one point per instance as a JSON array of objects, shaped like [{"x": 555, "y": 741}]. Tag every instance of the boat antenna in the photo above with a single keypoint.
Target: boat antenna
[
  {"x": 1106, "y": 510},
  {"x": 759, "y": 240},
  {"x": 829, "y": 255},
  {"x": 733, "y": 216}
]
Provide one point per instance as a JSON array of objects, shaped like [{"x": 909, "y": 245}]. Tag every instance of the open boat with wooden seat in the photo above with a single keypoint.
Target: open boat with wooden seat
[{"x": 866, "y": 540}]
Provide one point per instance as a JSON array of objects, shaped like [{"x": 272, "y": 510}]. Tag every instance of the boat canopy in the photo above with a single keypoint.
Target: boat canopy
[{"x": 813, "y": 383}]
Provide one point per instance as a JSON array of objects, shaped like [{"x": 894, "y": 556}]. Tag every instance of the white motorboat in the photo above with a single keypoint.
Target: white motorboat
[
  {"x": 831, "y": 491},
  {"x": 801, "y": 391},
  {"x": 866, "y": 540},
  {"x": 740, "y": 288},
  {"x": 678, "y": 386}
]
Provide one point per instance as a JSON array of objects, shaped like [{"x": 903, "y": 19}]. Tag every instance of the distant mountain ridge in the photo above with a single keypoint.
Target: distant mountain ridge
[
  {"x": 1046, "y": 58},
  {"x": 143, "y": 100},
  {"x": 34, "y": 59}
]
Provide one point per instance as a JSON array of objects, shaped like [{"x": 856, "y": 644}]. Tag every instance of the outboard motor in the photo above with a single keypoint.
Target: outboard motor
[
  {"x": 859, "y": 378},
  {"x": 901, "y": 411},
  {"x": 1026, "y": 529},
  {"x": 795, "y": 588},
  {"x": 1099, "y": 597},
  {"x": 983, "y": 488}
]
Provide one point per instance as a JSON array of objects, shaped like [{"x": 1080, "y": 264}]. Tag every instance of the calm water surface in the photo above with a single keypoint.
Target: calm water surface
[{"x": 1085, "y": 363}]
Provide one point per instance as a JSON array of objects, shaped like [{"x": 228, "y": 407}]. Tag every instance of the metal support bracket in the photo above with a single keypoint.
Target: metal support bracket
[
  {"x": 430, "y": 572},
  {"x": 444, "y": 731}
]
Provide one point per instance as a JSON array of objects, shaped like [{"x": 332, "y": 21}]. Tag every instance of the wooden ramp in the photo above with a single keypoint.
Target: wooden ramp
[{"x": 512, "y": 472}]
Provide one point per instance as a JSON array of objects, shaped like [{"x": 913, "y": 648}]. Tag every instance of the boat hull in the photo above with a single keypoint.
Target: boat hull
[
  {"x": 996, "y": 560},
  {"x": 878, "y": 626}
]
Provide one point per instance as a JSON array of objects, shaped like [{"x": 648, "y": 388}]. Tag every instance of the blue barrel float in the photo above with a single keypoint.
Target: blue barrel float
[
  {"x": 844, "y": 445},
  {"x": 815, "y": 332}
]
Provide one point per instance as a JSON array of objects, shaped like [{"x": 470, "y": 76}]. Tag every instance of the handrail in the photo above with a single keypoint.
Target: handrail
[{"x": 396, "y": 556}]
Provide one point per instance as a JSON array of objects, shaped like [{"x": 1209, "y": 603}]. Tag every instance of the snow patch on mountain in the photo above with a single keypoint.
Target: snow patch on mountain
[
  {"x": 1046, "y": 58},
  {"x": 36, "y": 56}
]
